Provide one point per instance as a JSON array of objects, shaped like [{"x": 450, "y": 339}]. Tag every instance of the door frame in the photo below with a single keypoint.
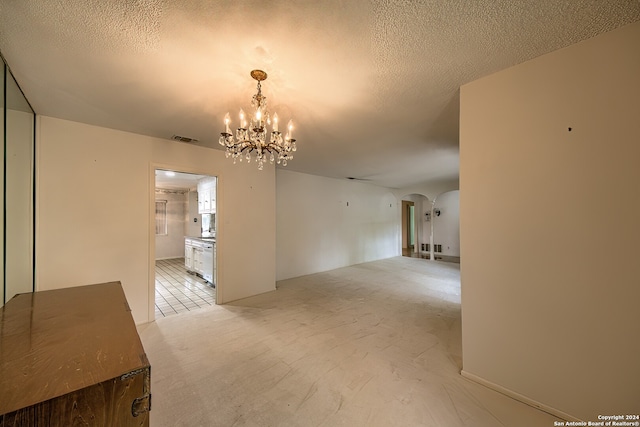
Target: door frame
[
  {"x": 151, "y": 261},
  {"x": 406, "y": 226}
]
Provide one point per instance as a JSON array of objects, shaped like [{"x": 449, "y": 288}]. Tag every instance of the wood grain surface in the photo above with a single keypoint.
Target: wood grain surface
[{"x": 63, "y": 354}]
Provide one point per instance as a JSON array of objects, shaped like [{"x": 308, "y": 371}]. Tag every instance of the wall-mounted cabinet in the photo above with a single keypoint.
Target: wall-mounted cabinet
[{"x": 207, "y": 195}]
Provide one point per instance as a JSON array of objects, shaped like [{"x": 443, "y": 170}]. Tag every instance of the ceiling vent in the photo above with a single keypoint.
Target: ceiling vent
[{"x": 183, "y": 138}]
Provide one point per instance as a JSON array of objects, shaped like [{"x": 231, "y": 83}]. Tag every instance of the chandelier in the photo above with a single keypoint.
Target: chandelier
[{"x": 253, "y": 140}]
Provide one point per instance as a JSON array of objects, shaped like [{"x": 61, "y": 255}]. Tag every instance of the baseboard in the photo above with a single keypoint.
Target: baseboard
[{"x": 519, "y": 397}]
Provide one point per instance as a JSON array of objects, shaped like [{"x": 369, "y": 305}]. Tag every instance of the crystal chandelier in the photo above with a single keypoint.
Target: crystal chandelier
[{"x": 254, "y": 139}]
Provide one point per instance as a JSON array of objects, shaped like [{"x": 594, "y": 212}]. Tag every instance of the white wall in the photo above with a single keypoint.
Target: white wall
[
  {"x": 193, "y": 228},
  {"x": 317, "y": 231},
  {"x": 551, "y": 310},
  {"x": 171, "y": 245},
  {"x": 446, "y": 227},
  {"x": 95, "y": 209}
]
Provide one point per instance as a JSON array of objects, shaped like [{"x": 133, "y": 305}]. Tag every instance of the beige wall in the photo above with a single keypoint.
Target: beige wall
[
  {"x": 318, "y": 231},
  {"x": 550, "y": 279},
  {"x": 171, "y": 245},
  {"x": 95, "y": 201}
]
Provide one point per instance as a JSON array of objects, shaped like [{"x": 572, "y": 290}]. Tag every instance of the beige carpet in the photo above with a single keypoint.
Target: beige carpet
[{"x": 376, "y": 344}]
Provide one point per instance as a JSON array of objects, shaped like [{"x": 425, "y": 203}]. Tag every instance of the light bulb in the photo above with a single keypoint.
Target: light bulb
[
  {"x": 227, "y": 120},
  {"x": 275, "y": 122},
  {"x": 290, "y": 128},
  {"x": 243, "y": 122}
]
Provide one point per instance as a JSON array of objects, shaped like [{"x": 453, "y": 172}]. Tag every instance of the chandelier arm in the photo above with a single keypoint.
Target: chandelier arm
[
  {"x": 272, "y": 149},
  {"x": 251, "y": 148}
]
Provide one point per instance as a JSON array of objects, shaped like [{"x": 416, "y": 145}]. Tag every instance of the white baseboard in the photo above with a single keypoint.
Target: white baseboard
[{"x": 519, "y": 397}]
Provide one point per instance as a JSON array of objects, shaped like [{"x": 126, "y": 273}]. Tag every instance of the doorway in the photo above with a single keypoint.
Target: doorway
[
  {"x": 416, "y": 226},
  {"x": 185, "y": 242},
  {"x": 408, "y": 228}
]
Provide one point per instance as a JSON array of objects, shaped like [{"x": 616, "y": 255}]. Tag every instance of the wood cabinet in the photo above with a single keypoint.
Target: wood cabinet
[{"x": 72, "y": 357}]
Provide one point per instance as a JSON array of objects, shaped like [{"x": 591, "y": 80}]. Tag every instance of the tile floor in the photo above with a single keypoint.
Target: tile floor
[{"x": 178, "y": 291}]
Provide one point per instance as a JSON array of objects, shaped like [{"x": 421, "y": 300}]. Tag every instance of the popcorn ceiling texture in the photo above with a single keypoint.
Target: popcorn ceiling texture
[
  {"x": 132, "y": 25},
  {"x": 374, "y": 80}
]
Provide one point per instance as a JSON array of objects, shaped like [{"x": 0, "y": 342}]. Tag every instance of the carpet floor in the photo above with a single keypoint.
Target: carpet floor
[{"x": 374, "y": 344}]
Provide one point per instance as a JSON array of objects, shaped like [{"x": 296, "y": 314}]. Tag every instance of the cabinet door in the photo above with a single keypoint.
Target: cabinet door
[
  {"x": 188, "y": 256},
  {"x": 212, "y": 198},
  {"x": 197, "y": 261},
  {"x": 200, "y": 202},
  {"x": 206, "y": 194}
]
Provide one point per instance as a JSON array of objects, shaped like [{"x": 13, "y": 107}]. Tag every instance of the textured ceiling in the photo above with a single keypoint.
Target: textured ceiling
[{"x": 373, "y": 86}]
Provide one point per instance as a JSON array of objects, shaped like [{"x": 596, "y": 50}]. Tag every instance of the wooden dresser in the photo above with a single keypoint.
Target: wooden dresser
[{"x": 72, "y": 357}]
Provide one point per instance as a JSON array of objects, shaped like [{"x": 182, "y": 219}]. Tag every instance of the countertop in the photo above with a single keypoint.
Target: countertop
[{"x": 204, "y": 239}]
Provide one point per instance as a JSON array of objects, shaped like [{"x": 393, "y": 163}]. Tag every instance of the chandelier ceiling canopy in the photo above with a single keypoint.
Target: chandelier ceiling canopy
[{"x": 252, "y": 140}]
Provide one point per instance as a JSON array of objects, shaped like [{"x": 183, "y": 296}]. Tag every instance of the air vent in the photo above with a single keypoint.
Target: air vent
[{"x": 183, "y": 138}]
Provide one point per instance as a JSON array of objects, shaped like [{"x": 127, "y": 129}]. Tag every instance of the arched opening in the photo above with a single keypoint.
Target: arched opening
[{"x": 430, "y": 229}]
